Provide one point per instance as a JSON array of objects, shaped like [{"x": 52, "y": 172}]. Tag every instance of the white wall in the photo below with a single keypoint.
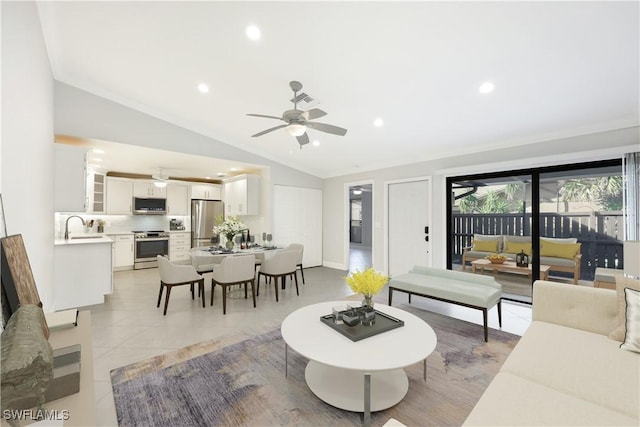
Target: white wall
[
  {"x": 26, "y": 163},
  {"x": 592, "y": 147}
]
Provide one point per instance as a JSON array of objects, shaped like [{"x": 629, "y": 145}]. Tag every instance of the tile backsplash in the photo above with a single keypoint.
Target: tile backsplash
[{"x": 117, "y": 223}]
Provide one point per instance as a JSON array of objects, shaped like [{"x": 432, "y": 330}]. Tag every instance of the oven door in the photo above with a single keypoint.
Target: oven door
[{"x": 147, "y": 250}]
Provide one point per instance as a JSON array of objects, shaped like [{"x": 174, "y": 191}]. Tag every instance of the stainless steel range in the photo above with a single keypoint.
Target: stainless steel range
[{"x": 148, "y": 245}]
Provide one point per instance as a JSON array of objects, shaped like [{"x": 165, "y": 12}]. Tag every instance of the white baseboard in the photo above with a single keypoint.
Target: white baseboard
[{"x": 334, "y": 265}]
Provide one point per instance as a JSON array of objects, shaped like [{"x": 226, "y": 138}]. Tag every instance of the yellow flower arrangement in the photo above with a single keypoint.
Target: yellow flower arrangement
[{"x": 367, "y": 282}]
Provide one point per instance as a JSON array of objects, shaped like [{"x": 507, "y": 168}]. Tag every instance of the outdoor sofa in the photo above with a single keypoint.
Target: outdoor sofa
[
  {"x": 566, "y": 370},
  {"x": 560, "y": 254}
]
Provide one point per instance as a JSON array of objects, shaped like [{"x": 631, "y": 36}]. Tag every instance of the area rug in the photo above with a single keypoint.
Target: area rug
[{"x": 243, "y": 384}]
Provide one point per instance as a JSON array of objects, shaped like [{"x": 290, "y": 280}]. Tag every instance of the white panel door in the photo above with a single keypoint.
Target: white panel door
[
  {"x": 409, "y": 214},
  {"x": 298, "y": 219}
]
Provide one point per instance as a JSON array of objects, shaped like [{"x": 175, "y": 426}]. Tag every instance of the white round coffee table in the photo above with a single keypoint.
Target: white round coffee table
[{"x": 359, "y": 376}]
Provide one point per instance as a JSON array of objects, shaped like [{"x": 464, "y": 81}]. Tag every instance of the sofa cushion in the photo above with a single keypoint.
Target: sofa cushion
[
  {"x": 622, "y": 282},
  {"x": 579, "y": 363},
  {"x": 489, "y": 237},
  {"x": 632, "y": 334},
  {"x": 516, "y": 247},
  {"x": 511, "y": 400},
  {"x": 557, "y": 262},
  {"x": 485, "y": 245},
  {"x": 559, "y": 239},
  {"x": 559, "y": 250}
]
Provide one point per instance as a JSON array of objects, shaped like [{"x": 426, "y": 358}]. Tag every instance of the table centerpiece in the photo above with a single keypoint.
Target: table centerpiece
[
  {"x": 229, "y": 228},
  {"x": 368, "y": 283}
]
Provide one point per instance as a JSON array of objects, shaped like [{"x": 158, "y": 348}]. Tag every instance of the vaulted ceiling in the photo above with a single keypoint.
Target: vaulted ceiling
[{"x": 559, "y": 69}]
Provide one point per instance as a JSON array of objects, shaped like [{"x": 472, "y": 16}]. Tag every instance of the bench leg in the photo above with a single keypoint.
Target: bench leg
[
  {"x": 409, "y": 298},
  {"x": 486, "y": 328},
  {"x": 390, "y": 295},
  {"x": 500, "y": 312}
]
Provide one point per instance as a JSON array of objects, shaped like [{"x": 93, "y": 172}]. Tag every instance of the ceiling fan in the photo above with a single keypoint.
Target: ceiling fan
[
  {"x": 297, "y": 121},
  {"x": 159, "y": 179}
]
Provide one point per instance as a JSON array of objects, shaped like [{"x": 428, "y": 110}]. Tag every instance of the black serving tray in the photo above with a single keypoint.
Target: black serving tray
[{"x": 384, "y": 323}]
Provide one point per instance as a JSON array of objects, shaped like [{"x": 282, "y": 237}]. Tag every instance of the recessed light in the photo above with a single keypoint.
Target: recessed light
[
  {"x": 233, "y": 169},
  {"x": 98, "y": 151},
  {"x": 220, "y": 174},
  {"x": 316, "y": 143},
  {"x": 253, "y": 32},
  {"x": 207, "y": 177},
  {"x": 486, "y": 87},
  {"x": 203, "y": 88},
  {"x": 97, "y": 160},
  {"x": 378, "y": 122}
]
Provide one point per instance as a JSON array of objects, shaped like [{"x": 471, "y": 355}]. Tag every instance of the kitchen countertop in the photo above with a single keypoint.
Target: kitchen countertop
[{"x": 85, "y": 240}]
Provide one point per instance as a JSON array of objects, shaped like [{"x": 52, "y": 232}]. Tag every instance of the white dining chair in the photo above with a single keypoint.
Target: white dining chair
[
  {"x": 280, "y": 265},
  {"x": 234, "y": 270},
  {"x": 299, "y": 248},
  {"x": 177, "y": 275}
]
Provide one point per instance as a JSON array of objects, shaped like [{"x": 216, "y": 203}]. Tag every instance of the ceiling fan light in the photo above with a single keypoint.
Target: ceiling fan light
[
  {"x": 295, "y": 129},
  {"x": 160, "y": 184}
]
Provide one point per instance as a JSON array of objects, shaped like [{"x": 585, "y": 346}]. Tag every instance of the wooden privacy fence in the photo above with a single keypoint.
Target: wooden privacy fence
[{"x": 600, "y": 233}]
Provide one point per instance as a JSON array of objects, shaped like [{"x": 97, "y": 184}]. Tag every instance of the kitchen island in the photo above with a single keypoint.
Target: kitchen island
[{"x": 82, "y": 271}]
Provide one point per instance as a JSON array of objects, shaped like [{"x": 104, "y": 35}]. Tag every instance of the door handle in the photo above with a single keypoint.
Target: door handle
[
  {"x": 426, "y": 230},
  {"x": 426, "y": 238}
]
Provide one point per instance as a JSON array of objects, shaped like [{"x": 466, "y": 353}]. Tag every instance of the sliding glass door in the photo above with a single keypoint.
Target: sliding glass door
[{"x": 567, "y": 220}]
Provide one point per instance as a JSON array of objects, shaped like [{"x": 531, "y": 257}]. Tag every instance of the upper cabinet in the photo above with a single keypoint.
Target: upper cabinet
[
  {"x": 177, "y": 199},
  {"x": 70, "y": 178},
  {"x": 119, "y": 196},
  {"x": 206, "y": 191},
  {"x": 147, "y": 189},
  {"x": 96, "y": 192},
  {"x": 242, "y": 195}
]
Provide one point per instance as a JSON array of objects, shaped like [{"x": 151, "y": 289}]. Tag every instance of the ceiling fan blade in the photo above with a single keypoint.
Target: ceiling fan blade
[
  {"x": 270, "y": 130},
  {"x": 265, "y": 116},
  {"x": 323, "y": 127},
  {"x": 315, "y": 113},
  {"x": 303, "y": 139}
]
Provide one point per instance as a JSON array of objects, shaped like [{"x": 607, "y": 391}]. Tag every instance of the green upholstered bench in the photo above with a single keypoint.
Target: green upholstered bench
[{"x": 466, "y": 289}]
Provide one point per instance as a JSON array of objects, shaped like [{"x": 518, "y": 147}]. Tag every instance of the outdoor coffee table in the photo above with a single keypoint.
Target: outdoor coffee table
[
  {"x": 359, "y": 376},
  {"x": 508, "y": 266}
]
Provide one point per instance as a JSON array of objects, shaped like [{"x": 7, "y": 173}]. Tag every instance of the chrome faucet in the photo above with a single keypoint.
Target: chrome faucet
[{"x": 66, "y": 225}]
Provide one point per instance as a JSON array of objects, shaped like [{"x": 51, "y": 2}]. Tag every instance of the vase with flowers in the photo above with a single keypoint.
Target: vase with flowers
[
  {"x": 367, "y": 283},
  {"x": 229, "y": 228}
]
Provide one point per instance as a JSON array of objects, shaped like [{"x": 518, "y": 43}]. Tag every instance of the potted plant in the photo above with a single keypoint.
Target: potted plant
[
  {"x": 229, "y": 228},
  {"x": 368, "y": 283}
]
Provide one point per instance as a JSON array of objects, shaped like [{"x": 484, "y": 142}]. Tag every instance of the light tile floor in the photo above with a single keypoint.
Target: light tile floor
[{"x": 128, "y": 327}]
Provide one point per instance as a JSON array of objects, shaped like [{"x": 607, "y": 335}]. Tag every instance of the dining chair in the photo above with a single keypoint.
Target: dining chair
[
  {"x": 279, "y": 266},
  {"x": 234, "y": 270},
  {"x": 177, "y": 275},
  {"x": 299, "y": 248}
]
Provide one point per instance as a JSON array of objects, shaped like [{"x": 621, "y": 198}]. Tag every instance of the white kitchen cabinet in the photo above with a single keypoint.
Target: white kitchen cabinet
[
  {"x": 177, "y": 199},
  {"x": 70, "y": 178},
  {"x": 122, "y": 251},
  {"x": 179, "y": 246},
  {"x": 96, "y": 194},
  {"x": 82, "y": 273},
  {"x": 119, "y": 196},
  {"x": 242, "y": 195},
  {"x": 147, "y": 189},
  {"x": 206, "y": 191}
]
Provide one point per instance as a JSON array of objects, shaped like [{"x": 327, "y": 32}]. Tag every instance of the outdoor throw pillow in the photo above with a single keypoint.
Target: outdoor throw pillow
[
  {"x": 632, "y": 336},
  {"x": 485, "y": 245},
  {"x": 622, "y": 283},
  {"x": 516, "y": 247},
  {"x": 559, "y": 250}
]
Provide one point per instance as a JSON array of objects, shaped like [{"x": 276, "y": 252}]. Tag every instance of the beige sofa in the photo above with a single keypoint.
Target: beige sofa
[
  {"x": 565, "y": 370},
  {"x": 511, "y": 245}
]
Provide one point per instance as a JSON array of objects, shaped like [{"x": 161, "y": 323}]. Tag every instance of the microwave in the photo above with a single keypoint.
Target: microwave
[{"x": 144, "y": 206}]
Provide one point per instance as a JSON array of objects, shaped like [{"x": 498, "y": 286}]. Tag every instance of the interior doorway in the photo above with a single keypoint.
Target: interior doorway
[{"x": 360, "y": 226}]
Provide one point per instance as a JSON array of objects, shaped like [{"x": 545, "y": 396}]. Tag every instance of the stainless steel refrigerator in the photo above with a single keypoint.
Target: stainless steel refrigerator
[{"x": 204, "y": 215}]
